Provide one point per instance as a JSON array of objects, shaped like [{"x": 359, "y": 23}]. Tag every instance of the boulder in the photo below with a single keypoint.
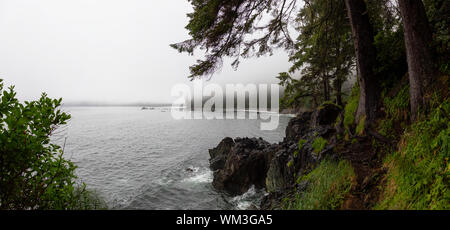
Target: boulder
[
  {"x": 280, "y": 175},
  {"x": 243, "y": 162},
  {"x": 218, "y": 155},
  {"x": 245, "y": 165},
  {"x": 325, "y": 115},
  {"x": 289, "y": 161},
  {"x": 298, "y": 126}
]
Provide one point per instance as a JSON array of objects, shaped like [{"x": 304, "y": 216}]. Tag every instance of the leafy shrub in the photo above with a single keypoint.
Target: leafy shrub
[
  {"x": 329, "y": 183},
  {"x": 391, "y": 55},
  {"x": 319, "y": 144},
  {"x": 437, "y": 11},
  {"x": 351, "y": 107},
  {"x": 398, "y": 106},
  {"x": 418, "y": 176},
  {"x": 33, "y": 172},
  {"x": 290, "y": 164},
  {"x": 397, "y": 110},
  {"x": 301, "y": 142},
  {"x": 328, "y": 103}
]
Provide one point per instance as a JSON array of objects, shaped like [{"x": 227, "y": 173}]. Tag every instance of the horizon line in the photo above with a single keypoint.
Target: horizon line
[{"x": 106, "y": 104}]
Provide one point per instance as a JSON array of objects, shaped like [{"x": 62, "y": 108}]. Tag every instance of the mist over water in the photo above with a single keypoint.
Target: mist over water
[{"x": 144, "y": 159}]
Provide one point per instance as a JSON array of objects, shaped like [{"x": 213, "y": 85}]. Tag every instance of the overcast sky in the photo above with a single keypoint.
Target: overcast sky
[{"x": 109, "y": 51}]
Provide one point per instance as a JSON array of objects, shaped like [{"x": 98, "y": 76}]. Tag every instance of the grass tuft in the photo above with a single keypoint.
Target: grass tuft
[
  {"x": 351, "y": 107},
  {"x": 319, "y": 144},
  {"x": 419, "y": 172},
  {"x": 329, "y": 183}
]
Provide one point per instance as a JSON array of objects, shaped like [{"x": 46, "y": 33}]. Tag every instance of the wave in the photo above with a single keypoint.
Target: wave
[
  {"x": 199, "y": 176},
  {"x": 245, "y": 201}
]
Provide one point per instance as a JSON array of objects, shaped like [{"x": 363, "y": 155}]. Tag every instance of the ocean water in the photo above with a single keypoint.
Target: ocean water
[{"x": 144, "y": 159}]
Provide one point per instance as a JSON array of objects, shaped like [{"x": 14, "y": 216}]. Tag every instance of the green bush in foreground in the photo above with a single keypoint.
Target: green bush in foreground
[
  {"x": 33, "y": 172},
  {"x": 419, "y": 176},
  {"x": 329, "y": 183}
]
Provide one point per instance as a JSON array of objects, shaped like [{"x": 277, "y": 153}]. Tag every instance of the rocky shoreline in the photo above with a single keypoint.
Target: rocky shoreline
[{"x": 242, "y": 163}]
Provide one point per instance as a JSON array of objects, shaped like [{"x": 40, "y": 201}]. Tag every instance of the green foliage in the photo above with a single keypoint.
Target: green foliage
[
  {"x": 329, "y": 183},
  {"x": 83, "y": 199},
  {"x": 33, "y": 172},
  {"x": 419, "y": 173},
  {"x": 324, "y": 52},
  {"x": 301, "y": 142},
  {"x": 290, "y": 164},
  {"x": 351, "y": 107},
  {"x": 384, "y": 15},
  {"x": 397, "y": 109},
  {"x": 391, "y": 56},
  {"x": 298, "y": 93},
  {"x": 438, "y": 11},
  {"x": 361, "y": 126},
  {"x": 328, "y": 103},
  {"x": 338, "y": 121},
  {"x": 319, "y": 144},
  {"x": 388, "y": 41},
  {"x": 227, "y": 28}
]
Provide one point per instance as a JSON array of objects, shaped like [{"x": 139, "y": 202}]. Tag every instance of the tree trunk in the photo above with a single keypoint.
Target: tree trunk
[
  {"x": 418, "y": 51},
  {"x": 365, "y": 58},
  {"x": 326, "y": 88},
  {"x": 339, "y": 91}
]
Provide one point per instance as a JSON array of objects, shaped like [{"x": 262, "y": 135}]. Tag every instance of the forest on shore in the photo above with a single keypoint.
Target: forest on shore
[
  {"x": 390, "y": 141},
  {"x": 381, "y": 143}
]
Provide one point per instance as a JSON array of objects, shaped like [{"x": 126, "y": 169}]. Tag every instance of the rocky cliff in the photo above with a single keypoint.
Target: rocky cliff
[{"x": 238, "y": 164}]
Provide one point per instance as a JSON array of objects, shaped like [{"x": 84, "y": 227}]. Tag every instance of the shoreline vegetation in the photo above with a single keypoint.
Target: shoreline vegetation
[
  {"x": 321, "y": 164},
  {"x": 384, "y": 144},
  {"x": 34, "y": 175},
  {"x": 326, "y": 161}
]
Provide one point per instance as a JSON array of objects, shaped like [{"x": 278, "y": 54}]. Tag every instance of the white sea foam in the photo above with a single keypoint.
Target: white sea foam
[
  {"x": 199, "y": 176},
  {"x": 164, "y": 181},
  {"x": 246, "y": 200},
  {"x": 138, "y": 160}
]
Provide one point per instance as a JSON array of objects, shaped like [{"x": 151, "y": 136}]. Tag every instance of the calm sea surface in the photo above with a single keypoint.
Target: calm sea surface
[{"x": 138, "y": 159}]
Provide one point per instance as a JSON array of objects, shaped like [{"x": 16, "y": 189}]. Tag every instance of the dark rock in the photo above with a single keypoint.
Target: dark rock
[
  {"x": 324, "y": 131},
  {"x": 325, "y": 115},
  {"x": 244, "y": 162},
  {"x": 290, "y": 162},
  {"x": 219, "y": 154},
  {"x": 298, "y": 126},
  {"x": 246, "y": 165},
  {"x": 272, "y": 201},
  {"x": 280, "y": 175},
  {"x": 253, "y": 207}
]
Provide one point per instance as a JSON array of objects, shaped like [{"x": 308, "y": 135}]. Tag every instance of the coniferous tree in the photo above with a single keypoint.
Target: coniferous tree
[
  {"x": 418, "y": 49},
  {"x": 324, "y": 48},
  {"x": 363, "y": 38}
]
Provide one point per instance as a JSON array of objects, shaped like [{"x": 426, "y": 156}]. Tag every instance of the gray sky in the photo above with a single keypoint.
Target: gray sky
[{"x": 112, "y": 51}]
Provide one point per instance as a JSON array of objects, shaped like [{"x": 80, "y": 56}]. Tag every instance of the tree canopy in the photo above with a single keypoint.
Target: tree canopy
[
  {"x": 324, "y": 48},
  {"x": 236, "y": 28},
  {"x": 335, "y": 35}
]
